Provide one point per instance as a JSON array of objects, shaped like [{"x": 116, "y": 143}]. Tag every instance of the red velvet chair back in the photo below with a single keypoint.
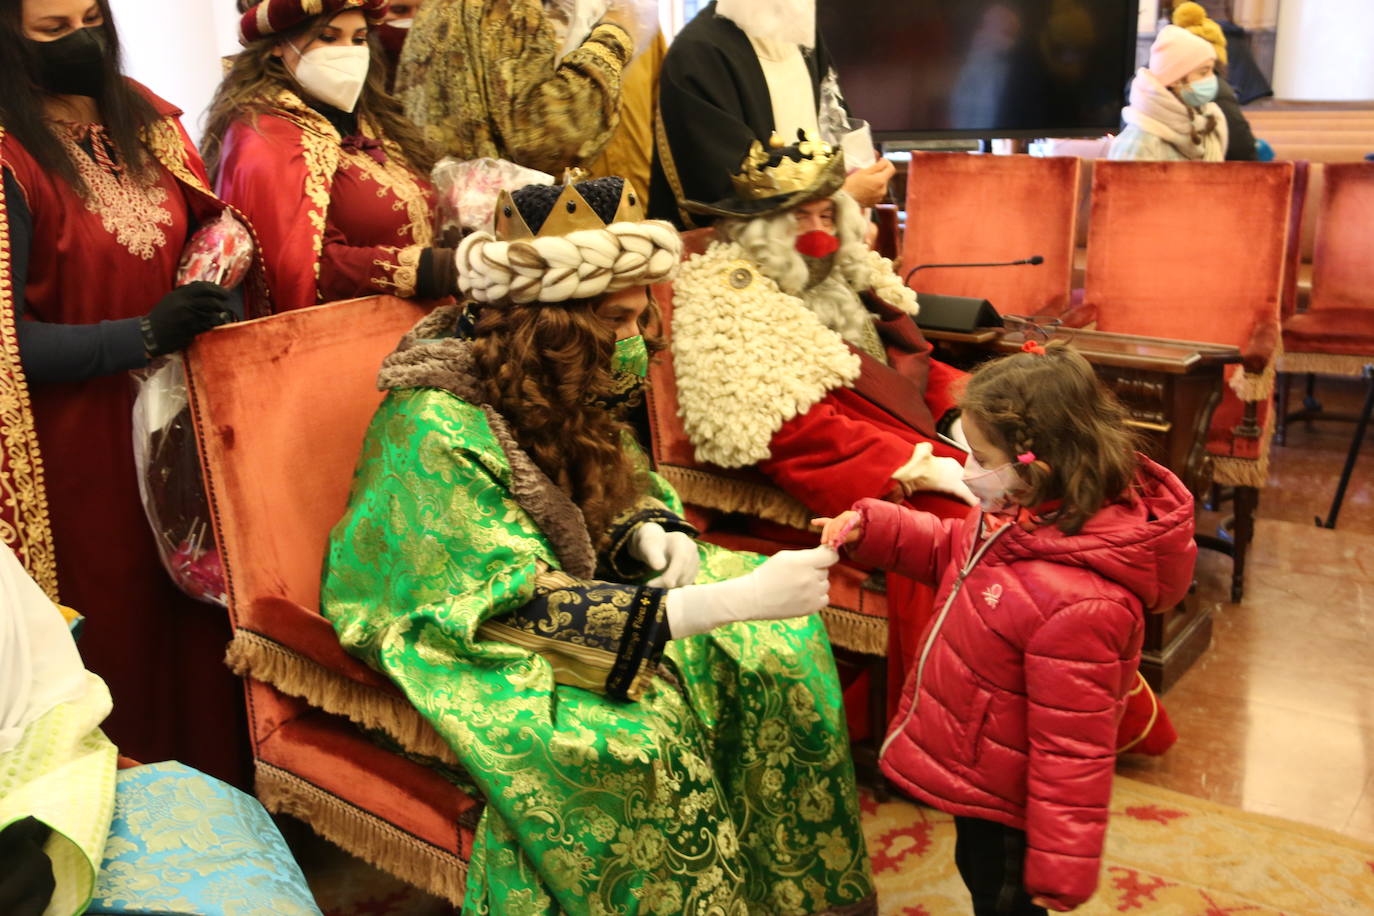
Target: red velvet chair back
[
  {"x": 969, "y": 209},
  {"x": 281, "y": 405},
  {"x": 1188, "y": 250},
  {"x": 1343, "y": 257},
  {"x": 284, "y": 402},
  {"x": 1292, "y": 259}
]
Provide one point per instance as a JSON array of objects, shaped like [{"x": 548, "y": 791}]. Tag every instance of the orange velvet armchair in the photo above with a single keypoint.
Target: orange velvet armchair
[
  {"x": 974, "y": 209},
  {"x": 1335, "y": 336},
  {"x": 280, "y": 407},
  {"x": 1196, "y": 251}
]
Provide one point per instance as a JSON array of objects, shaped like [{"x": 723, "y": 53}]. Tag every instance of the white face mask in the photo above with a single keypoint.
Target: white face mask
[
  {"x": 992, "y": 487},
  {"x": 402, "y": 23},
  {"x": 334, "y": 75}
]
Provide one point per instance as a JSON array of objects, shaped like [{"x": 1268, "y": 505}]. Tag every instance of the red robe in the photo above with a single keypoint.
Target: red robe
[
  {"x": 334, "y": 221},
  {"x": 160, "y": 652}
]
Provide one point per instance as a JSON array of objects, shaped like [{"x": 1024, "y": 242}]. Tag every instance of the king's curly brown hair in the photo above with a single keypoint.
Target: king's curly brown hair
[
  {"x": 539, "y": 365},
  {"x": 1053, "y": 406}
]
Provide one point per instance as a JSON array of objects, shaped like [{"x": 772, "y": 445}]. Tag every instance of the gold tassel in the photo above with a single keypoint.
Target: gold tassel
[
  {"x": 432, "y": 869},
  {"x": 726, "y": 494},
  {"x": 254, "y": 655}
]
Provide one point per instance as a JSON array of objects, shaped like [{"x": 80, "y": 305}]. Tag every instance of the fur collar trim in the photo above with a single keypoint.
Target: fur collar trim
[
  {"x": 431, "y": 357},
  {"x": 748, "y": 357}
]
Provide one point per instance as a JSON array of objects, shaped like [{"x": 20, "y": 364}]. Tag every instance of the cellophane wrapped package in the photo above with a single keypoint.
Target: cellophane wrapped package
[
  {"x": 165, "y": 454},
  {"x": 468, "y": 190}
]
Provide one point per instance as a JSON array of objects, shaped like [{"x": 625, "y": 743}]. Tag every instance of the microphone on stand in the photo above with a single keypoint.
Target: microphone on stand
[
  {"x": 1034, "y": 261},
  {"x": 961, "y": 313}
]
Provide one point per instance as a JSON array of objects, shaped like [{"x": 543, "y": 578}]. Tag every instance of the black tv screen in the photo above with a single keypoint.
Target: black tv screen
[{"x": 921, "y": 69}]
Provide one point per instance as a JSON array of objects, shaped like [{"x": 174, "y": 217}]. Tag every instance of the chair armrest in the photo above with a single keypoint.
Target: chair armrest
[{"x": 1259, "y": 350}]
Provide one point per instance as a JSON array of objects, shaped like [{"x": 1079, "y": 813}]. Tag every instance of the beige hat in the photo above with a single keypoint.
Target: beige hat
[{"x": 1178, "y": 52}]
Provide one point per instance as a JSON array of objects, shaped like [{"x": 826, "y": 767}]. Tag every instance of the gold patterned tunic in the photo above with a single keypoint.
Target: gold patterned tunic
[{"x": 481, "y": 77}]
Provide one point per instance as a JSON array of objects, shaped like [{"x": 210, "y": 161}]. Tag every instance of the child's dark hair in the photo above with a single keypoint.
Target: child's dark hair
[{"x": 1051, "y": 404}]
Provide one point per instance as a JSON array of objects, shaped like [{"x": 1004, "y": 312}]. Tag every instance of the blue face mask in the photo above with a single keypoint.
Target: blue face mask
[{"x": 1200, "y": 92}]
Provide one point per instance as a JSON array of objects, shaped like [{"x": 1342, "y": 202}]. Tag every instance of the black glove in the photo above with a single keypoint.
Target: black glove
[
  {"x": 182, "y": 314},
  {"x": 26, "y": 879}
]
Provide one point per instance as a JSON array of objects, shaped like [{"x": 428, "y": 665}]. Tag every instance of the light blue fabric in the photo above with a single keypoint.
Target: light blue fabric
[{"x": 184, "y": 843}]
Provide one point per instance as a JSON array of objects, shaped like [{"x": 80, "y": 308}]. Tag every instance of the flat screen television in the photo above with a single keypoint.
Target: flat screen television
[{"x": 928, "y": 69}]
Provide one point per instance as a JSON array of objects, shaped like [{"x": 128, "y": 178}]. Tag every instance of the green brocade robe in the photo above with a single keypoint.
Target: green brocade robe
[{"x": 724, "y": 787}]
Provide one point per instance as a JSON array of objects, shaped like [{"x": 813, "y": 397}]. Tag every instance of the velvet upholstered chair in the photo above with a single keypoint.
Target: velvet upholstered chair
[
  {"x": 964, "y": 209},
  {"x": 1335, "y": 335},
  {"x": 1196, "y": 251},
  {"x": 280, "y": 407}
]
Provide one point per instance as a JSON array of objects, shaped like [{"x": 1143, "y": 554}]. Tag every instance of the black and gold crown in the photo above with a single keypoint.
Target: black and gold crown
[
  {"x": 543, "y": 211},
  {"x": 775, "y": 177}
]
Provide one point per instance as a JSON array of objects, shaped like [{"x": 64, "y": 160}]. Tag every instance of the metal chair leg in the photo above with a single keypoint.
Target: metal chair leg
[
  {"x": 1281, "y": 382},
  {"x": 1353, "y": 454}
]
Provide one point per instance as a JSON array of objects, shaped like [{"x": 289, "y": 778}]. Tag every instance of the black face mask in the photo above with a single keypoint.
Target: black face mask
[{"x": 73, "y": 64}]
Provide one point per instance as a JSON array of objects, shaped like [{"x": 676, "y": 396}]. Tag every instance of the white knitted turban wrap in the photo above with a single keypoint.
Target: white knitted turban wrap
[{"x": 579, "y": 265}]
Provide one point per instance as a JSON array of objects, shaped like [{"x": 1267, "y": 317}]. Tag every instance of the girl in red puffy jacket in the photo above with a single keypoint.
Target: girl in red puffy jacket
[{"x": 1009, "y": 719}]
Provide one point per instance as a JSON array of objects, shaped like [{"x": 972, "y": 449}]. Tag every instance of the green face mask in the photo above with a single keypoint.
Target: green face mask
[{"x": 631, "y": 357}]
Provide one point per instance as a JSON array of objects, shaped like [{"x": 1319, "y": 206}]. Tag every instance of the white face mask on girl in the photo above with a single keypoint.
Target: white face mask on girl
[
  {"x": 994, "y": 487},
  {"x": 334, "y": 74}
]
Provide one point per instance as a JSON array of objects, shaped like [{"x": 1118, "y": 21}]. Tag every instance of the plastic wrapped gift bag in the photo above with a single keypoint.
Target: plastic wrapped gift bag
[
  {"x": 468, "y": 190},
  {"x": 166, "y": 459}
]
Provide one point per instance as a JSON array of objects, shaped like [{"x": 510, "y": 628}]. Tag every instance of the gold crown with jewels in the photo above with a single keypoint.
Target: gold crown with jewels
[{"x": 810, "y": 164}]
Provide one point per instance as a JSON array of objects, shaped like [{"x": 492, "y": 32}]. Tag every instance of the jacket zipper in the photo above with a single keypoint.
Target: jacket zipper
[{"x": 935, "y": 630}]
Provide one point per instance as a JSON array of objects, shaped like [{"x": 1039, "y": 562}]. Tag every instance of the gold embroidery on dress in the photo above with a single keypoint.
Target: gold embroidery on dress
[
  {"x": 394, "y": 178},
  {"x": 401, "y": 274},
  {"x": 320, "y": 148},
  {"x": 21, "y": 461},
  {"x": 131, "y": 208}
]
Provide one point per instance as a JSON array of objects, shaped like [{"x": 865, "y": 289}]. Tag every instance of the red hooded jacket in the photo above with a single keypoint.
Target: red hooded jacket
[{"x": 1011, "y": 711}]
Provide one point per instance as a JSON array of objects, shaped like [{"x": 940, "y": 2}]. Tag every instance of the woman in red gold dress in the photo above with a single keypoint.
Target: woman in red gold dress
[
  {"x": 101, "y": 190},
  {"x": 303, "y": 138}
]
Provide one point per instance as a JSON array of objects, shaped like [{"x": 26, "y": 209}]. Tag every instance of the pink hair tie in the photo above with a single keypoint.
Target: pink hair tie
[{"x": 1026, "y": 457}]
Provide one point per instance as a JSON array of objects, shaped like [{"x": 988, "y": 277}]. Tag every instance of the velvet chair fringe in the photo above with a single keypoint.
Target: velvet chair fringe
[
  {"x": 363, "y": 835},
  {"x": 253, "y": 655},
  {"x": 727, "y": 494},
  {"x": 1326, "y": 363},
  {"x": 1247, "y": 472},
  {"x": 856, "y": 632}
]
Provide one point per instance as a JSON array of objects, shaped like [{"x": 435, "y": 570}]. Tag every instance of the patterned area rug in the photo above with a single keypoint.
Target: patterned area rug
[{"x": 1167, "y": 855}]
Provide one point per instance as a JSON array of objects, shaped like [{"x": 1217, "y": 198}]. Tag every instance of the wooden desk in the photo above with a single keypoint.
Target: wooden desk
[{"x": 1171, "y": 388}]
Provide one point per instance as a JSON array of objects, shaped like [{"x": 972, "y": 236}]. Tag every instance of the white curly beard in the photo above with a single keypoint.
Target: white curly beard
[
  {"x": 789, "y": 21},
  {"x": 771, "y": 242}
]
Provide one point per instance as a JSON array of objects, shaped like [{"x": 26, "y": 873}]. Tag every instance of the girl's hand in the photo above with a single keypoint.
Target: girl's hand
[{"x": 846, "y": 528}]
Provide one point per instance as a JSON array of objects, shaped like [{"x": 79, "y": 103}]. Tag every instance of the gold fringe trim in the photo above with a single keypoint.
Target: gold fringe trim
[
  {"x": 1246, "y": 472},
  {"x": 438, "y": 871},
  {"x": 855, "y": 632},
  {"x": 22, "y": 487},
  {"x": 1250, "y": 386},
  {"x": 1326, "y": 363},
  {"x": 254, "y": 655},
  {"x": 727, "y": 494}
]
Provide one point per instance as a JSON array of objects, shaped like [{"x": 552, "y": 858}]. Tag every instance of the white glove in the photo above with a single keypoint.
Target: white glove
[
  {"x": 792, "y": 583},
  {"x": 672, "y": 554},
  {"x": 925, "y": 471}
]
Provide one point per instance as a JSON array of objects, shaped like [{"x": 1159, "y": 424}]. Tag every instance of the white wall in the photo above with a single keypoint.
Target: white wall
[
  {"x": 1149, "y": 16},
  {"x": 174, "y": 47},
  {"x": 1324, "y": 50}
]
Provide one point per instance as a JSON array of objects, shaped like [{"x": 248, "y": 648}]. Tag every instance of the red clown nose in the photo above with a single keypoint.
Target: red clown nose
[{"x": 817, "y": 243}]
